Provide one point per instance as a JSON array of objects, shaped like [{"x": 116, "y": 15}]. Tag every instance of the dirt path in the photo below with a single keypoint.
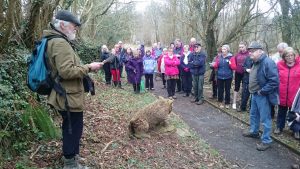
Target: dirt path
[{"x": 224, "y": 133}]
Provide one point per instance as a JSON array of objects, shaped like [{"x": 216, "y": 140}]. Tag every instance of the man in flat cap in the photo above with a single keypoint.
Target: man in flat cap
[
  {"x": 196, "y": 63},
  {"x": 263, "y": 85},
  {"x": 69, "y": 73}
]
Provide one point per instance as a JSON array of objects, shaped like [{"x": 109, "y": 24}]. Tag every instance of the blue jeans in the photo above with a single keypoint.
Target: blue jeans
[{"x": 260, "y": 111}]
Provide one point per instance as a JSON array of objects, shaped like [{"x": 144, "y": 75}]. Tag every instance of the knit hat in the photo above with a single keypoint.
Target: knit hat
[{"x": 67, "y": 16}]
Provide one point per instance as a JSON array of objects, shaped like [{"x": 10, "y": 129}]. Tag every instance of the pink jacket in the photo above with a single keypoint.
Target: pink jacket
[
  {"x": 289, "y": 82},
  {"x": 171, "y": 66}
]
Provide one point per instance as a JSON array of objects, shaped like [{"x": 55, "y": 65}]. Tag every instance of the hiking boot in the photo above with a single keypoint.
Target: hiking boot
[
  {"x": 277, "y": 131},
  {"x": 249, "y": 134},
  {"x": 234, "y": 106},
  {"x": 199, "y": 102},
  {"x": 295, "y": 166},
  {"x": 296, "y": 135},
  {"x": 263, "y": 146},
  {"x": 73, "y": 163},
  {"x": 221, "y": 106},
  {"x": 194, "y": 100}
]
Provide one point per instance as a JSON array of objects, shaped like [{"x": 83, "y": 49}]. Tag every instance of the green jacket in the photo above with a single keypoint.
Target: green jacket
[{"x": 64, "y": 61}]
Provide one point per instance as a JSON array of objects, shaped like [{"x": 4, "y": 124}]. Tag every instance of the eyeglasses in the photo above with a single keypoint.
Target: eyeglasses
[
  {"x": 289, "y": 56},
  {"x": 252, "y": 50}
]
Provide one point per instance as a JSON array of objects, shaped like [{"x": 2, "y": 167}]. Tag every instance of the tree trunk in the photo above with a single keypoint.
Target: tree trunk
[
  {"x": 211, "y": 46},
  {"x": 285, "y": 23},
  {"x": 31, "y": 26},
  {"x": 8, "y": 25}
]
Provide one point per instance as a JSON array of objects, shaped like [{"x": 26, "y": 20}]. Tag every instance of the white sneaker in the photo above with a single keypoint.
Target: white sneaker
[{"x": 234, "y": 106}]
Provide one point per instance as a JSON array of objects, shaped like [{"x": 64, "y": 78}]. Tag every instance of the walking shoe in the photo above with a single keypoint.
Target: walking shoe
[
  {"x": 164, "y": 87},
  {"x": 227, "y": 106},
  {"x": 199, "y": 102},
  {"x": 295, "y": 166},
  {"x": 277, "y": 131},
  {"x": 221, "y": 106},
  {"x": 152, "y": 88},
  {"x": 171, "y": 97},
  {"x": 234, "y": 106},
  {"x": 296, "y": 135},
  {"x": 186, "y": 95},
  {"x": 194, "y": 100},
  {"x": 174, "y": 97},
  {"x": 240, "y": 109},
  {"x": 249, "y": 134},
  {"x": 263, "y": 146}
]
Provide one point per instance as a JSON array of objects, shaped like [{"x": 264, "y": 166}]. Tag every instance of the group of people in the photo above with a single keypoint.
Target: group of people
[
  {"x": 178, "y": 65},
  {"x": 268, "y": 83}
]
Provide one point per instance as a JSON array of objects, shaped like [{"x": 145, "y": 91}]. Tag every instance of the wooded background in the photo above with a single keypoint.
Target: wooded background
[{"x": 212, "y": 22}]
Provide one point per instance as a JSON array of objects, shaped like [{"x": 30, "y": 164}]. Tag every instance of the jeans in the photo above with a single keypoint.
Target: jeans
[
  {"x": 71, "y": 141},
  {"x": 281, "y": 117},
  {"x": 198, "y": 82},
  {"x": 260, "y": 111}
]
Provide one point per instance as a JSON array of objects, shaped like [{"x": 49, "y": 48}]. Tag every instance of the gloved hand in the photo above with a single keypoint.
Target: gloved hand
[{"x": 186, "y": 69}]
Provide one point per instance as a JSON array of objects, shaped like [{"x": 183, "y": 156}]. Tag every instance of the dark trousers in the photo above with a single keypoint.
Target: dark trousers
[
  {"x": 215, "y": 88},
  {"x": 106, "y": 68},
  {"x": 179, "y": 84},
  {"x": 187, "y": 82},
  {"x": 163, "y": 79},
  {"x": 224, "y": 84},
  {"x": 281, "y": 117},
  {"x": 237, "y": 81},
  {"x": 121, "y": 70},
  {"x": 71, "y": 140},
  {"x": 171, "y": 84},
  {"x": 245, "y": 96},
  {"x": 137, "y": 87},
  {"x": 272, "y": 111},
  {"x": 149, "y": 81}
]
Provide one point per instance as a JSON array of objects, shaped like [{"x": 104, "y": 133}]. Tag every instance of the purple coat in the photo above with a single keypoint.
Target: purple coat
[{"x": 135, "y": 70}]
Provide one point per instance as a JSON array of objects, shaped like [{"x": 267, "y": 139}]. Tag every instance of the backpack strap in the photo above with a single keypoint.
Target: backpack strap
[{"x": 56, "y": 82}]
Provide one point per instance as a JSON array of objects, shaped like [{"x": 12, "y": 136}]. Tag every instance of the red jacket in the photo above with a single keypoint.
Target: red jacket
[
  {"x": 289, "y": 82},
  {"x": 171, "y": 66}
]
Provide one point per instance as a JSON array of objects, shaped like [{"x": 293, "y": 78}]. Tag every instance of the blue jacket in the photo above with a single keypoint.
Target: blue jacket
[
  {"x": 268, "y": 79},
  {"x": 197, "y": 63},
  {"x": 224, "y": 70},
  {"x": 149, "y": 64}
]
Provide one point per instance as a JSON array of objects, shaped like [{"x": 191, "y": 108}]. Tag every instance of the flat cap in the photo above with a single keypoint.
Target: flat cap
[
  {"x": 255, "y": 45},
  {"x": 197, "y": 44},
  {"x": 67, "y": 16}
]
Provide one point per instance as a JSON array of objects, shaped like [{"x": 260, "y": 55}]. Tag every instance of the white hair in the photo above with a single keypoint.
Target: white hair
[
  {"x": 227, "y": 47},
  {"x": 104, "y": 47},
  {"x": 57, "y": 22},
  {"x": 282, "y": 45}
]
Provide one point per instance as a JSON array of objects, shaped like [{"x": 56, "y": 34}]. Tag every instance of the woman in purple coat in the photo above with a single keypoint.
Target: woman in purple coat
[{"x": 135, "y": 70}]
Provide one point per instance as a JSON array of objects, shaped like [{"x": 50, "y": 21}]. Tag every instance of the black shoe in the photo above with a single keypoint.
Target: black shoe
[
  {"x": 249, "y": 134},
  {"x": 295, "y": 166},
  {"x": 263, "y": 146},
  {"x": 199, "y": 102},
  {"x": 186, "y": 95},
  {"x": 240, "y": 110},
  {"x": 194, "y": 100}
]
